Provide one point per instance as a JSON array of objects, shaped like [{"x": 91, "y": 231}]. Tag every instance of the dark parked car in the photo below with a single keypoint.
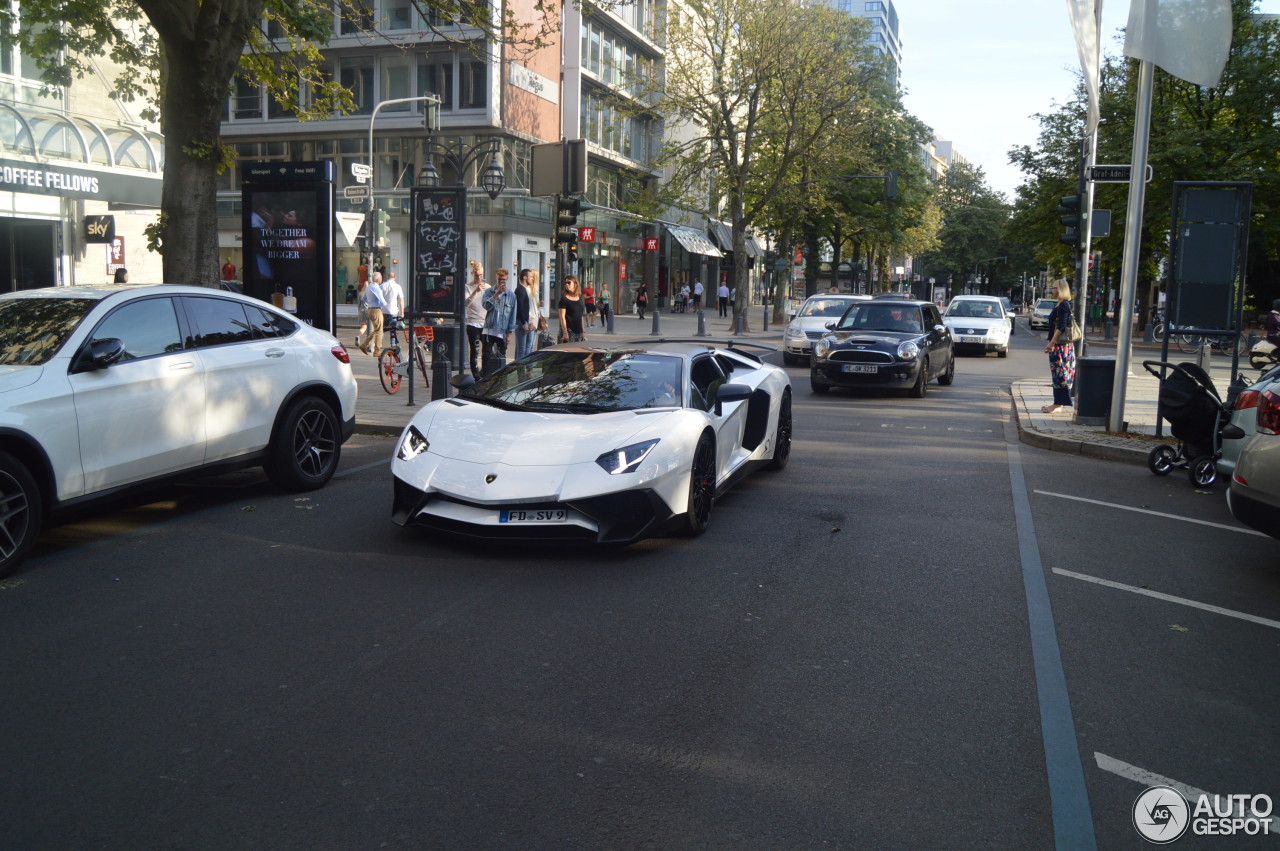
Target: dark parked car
[{"x": 882, "y": 343}]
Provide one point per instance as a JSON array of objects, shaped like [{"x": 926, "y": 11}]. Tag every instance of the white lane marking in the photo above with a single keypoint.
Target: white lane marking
[
  {"x": 970, "y": 430},
  {"x": 1150, "y": 778},
  {"x": 1168, "y": 598},
  {"x": 1240, "y": 529}
]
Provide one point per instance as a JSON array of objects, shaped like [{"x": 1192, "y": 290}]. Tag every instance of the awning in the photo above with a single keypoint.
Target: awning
[
  {"x": 723, "y": 235},
  {"x": 693, "y": 241}
]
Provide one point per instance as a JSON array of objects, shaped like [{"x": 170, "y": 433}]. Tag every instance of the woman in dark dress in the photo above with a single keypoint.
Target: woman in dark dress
[
  {"x": 642, "y": 300},
  {"x": 571, "y": 311},
  {"x": 1062, "y": 356}
]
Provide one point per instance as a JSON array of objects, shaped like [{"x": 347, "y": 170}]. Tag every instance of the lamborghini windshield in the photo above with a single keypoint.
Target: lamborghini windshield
[{"x": 584, "y": 382}]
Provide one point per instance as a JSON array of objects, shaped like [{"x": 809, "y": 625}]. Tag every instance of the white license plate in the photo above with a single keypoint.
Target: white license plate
[
  {"x": 859, "y": 367},
  {"x": 537, "y": 515},
  {"x": 971, "y": 339}
]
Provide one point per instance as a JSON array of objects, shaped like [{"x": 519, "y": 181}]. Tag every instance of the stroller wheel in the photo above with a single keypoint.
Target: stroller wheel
[
  {"x": 1202, "y": 472},
  {"x": 1162, "y": 459}
]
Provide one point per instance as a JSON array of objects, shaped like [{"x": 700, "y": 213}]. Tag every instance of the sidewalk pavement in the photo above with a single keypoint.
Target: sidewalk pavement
[{"x": 378, "y": 412}]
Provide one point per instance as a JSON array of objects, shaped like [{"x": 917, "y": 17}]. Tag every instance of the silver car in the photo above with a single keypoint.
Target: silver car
[
  {"x": 1254, "y": 495},
  {"x": 1039, "y": 317},
  {"x": 810, "y": 323},
  {"x": 1244, "y": 415}
]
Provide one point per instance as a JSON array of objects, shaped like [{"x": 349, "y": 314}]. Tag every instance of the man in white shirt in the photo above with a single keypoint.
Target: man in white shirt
[
  {"x": 697, "y": 295},
  {"x": 393, "y": 294},
  {"x": 723, "y": 294},
  {"x": 473, "y": 298},
  {"x": 374, "y": 303}
]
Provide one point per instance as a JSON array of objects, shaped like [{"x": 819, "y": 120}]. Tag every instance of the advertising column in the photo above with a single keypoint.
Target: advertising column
[{"x": 288, "y": 239}]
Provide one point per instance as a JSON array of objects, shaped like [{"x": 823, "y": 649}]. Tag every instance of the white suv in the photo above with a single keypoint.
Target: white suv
[
  {"x": 1039, "y": 317},
  {"x": 116, "y": 388}
]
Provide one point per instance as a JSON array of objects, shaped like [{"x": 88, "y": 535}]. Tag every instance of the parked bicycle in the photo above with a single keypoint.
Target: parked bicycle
[
  {"x": 392, "y": 370},
  {"x": 1236, "y": 344}
]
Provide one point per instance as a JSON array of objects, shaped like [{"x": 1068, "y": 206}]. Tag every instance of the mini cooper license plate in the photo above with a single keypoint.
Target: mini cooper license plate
[
  {"x": 534, "y": 515},
  {"x": 859, "y": 367}
]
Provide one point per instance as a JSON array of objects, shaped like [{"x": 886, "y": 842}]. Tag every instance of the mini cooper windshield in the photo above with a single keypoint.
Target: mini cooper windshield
[
  {"x": 578, "y": 381},
  {"x": 870, "y": 316},
  {"x": 33, "y": 329}
]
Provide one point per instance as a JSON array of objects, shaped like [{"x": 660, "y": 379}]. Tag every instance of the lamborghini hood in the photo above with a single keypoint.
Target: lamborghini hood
[{"x": 480, "y": 434}]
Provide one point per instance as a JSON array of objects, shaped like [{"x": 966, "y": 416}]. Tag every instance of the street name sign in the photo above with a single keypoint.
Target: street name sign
[{"x": 359, "y": 192}]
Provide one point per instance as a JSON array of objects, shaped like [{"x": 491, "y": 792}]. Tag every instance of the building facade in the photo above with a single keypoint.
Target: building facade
[{"x": 80, "y": 180}]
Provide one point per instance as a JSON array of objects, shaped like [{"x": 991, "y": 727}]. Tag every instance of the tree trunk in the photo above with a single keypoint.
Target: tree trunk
[{"x": 193, "y": 118}]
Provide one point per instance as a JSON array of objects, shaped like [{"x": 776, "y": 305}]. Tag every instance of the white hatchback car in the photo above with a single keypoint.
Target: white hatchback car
[
  {"x": 978, "y": 323},
  {"x": 810, "y": 323},
  {"x": 112, "y": 389}
]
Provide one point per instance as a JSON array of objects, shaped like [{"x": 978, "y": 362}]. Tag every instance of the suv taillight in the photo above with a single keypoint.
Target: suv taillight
[
  {"x": 1247, "y": 399},
  {"x": 340, "y": 353},
  {"x": 1269, "y": 412}
]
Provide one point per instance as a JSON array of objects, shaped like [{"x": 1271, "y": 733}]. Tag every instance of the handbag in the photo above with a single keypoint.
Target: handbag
[
  {"x": 1072, "y": 334},
  {"x": 545, "y": 339}
]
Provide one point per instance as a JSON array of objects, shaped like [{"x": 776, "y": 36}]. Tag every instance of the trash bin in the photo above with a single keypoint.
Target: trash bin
[{"x": 1095, "y": 378}]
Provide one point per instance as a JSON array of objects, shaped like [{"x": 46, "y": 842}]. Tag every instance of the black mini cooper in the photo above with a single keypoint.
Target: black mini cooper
[{"x": 883, "y": 343}]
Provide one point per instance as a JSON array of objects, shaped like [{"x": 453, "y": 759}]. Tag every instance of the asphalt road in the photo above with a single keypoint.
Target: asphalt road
[{"x": 855, "y": 655}]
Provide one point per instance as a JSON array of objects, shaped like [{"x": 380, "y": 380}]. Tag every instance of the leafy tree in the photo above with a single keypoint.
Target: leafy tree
[
  {"x": 763, "y": 93},
  {"x": 182, "y": 56},
  {"x": 974, "y": 218}
]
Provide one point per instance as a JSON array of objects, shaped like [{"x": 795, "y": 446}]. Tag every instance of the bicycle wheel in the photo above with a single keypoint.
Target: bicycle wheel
[
  {"x": 1157, "y": 332},
  {"x": 1189, "y": 343},
  {"x": 387, "y": 364}
]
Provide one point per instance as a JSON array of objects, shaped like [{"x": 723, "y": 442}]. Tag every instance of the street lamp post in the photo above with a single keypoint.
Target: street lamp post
[{"x": 980, "y": 262}]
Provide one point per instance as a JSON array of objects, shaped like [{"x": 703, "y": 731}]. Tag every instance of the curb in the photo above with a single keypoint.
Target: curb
[{"x": 1074, "y": 446}]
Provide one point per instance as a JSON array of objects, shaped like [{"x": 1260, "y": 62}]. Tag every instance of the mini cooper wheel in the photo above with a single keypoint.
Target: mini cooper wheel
[
  {"x": 387, "y": 364},
  {"x": 820, "y": 389},
  {"x": 921, "y": 387},
  {"x": 702, "y": 487},
  {"x": 1202, "y": 472},
  {"x": 948, "y": 378},
  {"x": 21, "y": 512},
  {"x": 1161, "y": 460},
  {"x": 306, "y": 447},
  {"x": 782, "y": 436}
]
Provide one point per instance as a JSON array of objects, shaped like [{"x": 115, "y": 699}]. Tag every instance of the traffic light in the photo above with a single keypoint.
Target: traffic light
[
  {"x": 567, "y": 212},
  {"x": 573, "y": 251},
  {"x": 1069, "y": 215},
  {"x": 382, "y": 226}
]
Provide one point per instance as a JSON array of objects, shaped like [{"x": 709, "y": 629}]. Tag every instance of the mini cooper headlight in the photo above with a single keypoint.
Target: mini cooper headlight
[
  {"x": 820, "y": 347},
  {"x": 413, "y": 445},
  {"x": 627, "y": 459},
  {"x": 908, "y": 350}
]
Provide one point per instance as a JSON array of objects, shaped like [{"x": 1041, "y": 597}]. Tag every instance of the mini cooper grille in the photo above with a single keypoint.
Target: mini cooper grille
[{"x": 862, "y": 356}]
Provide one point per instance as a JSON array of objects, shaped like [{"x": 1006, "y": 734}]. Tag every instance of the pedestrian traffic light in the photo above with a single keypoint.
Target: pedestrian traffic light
[
  {"x": 1069, "y": 215},
  {"x": 382, "y": 226}
]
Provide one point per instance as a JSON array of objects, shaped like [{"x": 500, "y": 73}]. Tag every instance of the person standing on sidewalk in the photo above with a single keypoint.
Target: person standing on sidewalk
[
  {"x": 527, "y": 313},
  {"x": 642, "y": 300},
  {"x": 1062, "y": 355},
  {"x": 589, "y": 302},
  {"x": 472, "y": 295},
  {"x": 605, "y": 306},
  {"x": 697, "y": 295},
  {"x": 374, "y": 304},
  {"x": 571, "y": 312},
  {"x": 499, "y": 323},
  {"x": 723, "y": 297}
]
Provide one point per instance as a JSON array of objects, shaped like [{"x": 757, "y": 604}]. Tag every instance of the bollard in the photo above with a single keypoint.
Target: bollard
[
  {"x": 739, "y": 325},
  {"x": 1109, "y": 331},
  {"x": 765, "y": 324},
  {"x": 608, "y": 322},
  {"x": 1148, "y": 333},
  {"x": 702, "y": 323},
  {"x": 657, "y": 331},
  {"x": 439, "y": 378}
]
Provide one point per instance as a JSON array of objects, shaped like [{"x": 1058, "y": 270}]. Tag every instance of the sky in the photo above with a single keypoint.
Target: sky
[{"x": 976, "y": 72}]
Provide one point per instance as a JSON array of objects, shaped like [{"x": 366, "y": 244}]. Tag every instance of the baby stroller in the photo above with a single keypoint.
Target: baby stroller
[{"x": 1197, "y": 418}]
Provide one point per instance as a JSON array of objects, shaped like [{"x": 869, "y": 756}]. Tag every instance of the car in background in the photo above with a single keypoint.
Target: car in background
[
  {"x": 1244, "y": 415},
  {"x": 593, "y": 443},
  {"x": 978, "y": 324},
  {"x": 1254, "y": 494},
  {"x": 810, "y": 322},
  {"x": 107, "y": 390},
  {"x": 1009, "y": 309},
  {"x": 882, "y": 343},
  {"x": 1039, "y": 317}
]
